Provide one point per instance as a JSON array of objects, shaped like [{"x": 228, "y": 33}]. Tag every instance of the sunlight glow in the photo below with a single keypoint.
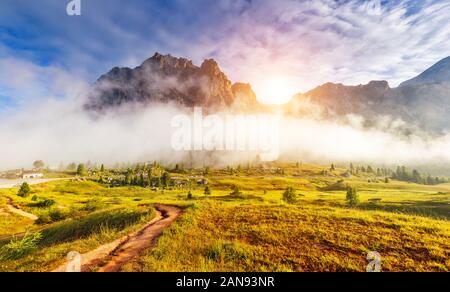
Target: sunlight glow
[{"x": 276, "y": 90}]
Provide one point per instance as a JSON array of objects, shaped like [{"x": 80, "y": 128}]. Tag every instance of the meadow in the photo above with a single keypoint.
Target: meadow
[{"x": 253, "y": 229}]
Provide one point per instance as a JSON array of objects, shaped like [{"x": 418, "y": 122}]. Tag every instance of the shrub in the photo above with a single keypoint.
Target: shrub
[
  {"x": 43, "y": 218},
  {"x": 56, "y": 215},
  {"x": 236, "y": 192},
  {"x": 352, "y": 197},
  {"x": 51, "y": 216},
  {"x": 24, "y": 190},
  {"x": 44, "y": 203},
  {"x": 19, "y": 248},
  {"x": 190, "y": 196},
  {"x": 290, "y": 196}
]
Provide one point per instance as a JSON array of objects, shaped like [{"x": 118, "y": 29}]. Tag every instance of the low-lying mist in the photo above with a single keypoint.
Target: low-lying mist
[{"x": 59, "y": 130}]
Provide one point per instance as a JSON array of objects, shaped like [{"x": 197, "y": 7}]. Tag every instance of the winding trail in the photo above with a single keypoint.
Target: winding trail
[
  {"x": 18, "y": 211},
  {"x": 113, "y": 256}
]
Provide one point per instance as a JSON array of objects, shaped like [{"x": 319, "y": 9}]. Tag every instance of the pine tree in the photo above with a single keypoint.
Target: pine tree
[
  {"x": 290, "y": 196},
  {"x": 416, "y": 177},
  {"x": 352, "y": 197},
  {"x": 24, "y": 190},
  {"x": 81, "y": 169},
  {"x": 165, "y": 180}
]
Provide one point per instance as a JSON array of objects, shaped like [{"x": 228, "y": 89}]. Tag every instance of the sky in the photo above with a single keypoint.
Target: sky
[{"x": 290, "y": 44}]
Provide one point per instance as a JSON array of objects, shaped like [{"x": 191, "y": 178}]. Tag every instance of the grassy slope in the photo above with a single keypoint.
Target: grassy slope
[
  {"x": 407, "y": 223},
  {"x": 268, "y": 237},
  {"x": 11, "y": 223},
  {"x": 107, "y": 219}
]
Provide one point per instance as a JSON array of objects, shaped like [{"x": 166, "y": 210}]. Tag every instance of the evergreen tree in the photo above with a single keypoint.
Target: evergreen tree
[
  {"x": 352, "y": 197},
  {"x": 290, "y": 196},
  {"x": 129, "y": 177},
  {"x": 165, "y": 180},
  {"x": 379, "y": 172},
  {"x": 142, "y": 182},
  {"x": 81, "y": 169},
  {"x": 190, "y": 196},
  {"x": 24, "y": 190},
  {"x": 416, "y": 177}
]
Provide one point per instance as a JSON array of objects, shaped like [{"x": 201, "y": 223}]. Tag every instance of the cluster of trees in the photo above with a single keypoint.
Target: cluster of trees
[
  {"x": 381, "y": 172},
  {"x": 403, "y": 174},
  {"x": 144, "y": 178}
]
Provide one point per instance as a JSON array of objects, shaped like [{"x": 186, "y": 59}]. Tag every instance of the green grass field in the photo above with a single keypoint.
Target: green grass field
[{"x": 408, "y": 224}]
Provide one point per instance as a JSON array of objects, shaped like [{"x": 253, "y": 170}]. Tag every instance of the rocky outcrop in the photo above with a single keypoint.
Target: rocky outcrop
[{"x": 167, "y": 79}]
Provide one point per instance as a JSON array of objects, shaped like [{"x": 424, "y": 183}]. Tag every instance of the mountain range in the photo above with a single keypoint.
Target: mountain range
[
  {"x": 167, "y": 79},
  {"x": 420, "y": 103}
]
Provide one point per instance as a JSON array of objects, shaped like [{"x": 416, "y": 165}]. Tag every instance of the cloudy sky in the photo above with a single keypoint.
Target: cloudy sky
[{"x": 44, "y": 53}]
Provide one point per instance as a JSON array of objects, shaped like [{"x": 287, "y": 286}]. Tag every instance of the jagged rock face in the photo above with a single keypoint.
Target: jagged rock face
[
  {"x": 423, "y": 102},
  {"x": 165, "y": 79},
  {"x": 245, "y": 96}
]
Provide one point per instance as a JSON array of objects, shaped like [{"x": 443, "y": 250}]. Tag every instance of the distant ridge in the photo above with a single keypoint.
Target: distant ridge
[{"x": 438, "y": 73}]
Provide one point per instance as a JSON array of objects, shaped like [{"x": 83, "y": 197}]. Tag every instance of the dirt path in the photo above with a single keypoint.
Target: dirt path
[
  {"x": 111, "y": 257},
  {"x": 19, "y": 212}
]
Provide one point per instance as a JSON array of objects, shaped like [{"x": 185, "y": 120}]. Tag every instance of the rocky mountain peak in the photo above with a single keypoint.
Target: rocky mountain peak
[
  {"x": 210, "y": 67},
  {"x": 168, "y": 63},
  {"x": 383, "y": 85},
  {"x": 164, "y": 79}
]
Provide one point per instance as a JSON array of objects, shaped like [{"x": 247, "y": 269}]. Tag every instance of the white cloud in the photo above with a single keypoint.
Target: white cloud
[{"x": 313, "y": 42}]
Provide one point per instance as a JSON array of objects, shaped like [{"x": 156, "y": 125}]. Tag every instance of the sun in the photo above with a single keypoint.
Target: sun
[{"x": 275, "y": 90}]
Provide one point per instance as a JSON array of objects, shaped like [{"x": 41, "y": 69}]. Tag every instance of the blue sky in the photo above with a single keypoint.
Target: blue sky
[{"x": 304, "y": 42}]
